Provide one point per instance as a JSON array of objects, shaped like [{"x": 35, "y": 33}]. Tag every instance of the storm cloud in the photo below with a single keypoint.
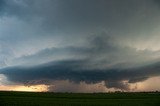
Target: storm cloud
[
  {"x": 72, "y": 70},
  {"x": 79, "y": 42}
]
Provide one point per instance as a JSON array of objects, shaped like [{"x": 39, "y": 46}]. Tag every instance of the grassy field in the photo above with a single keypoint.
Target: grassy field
[{"x": 78, "y": 99}]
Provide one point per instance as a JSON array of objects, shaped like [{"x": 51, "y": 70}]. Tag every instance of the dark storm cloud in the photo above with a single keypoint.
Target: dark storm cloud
[
  {"x": 157, "y": 2},
  {"x": 73, "y": 14},
  {"x": 2, "y": 4},
  {"x": 75, "y": 19},
  {"x": 92, "y": 68},
  {"x": 71, "y": 70},
  {"x": 85, "y": 53},
  {"x": 116, "y": 84}
]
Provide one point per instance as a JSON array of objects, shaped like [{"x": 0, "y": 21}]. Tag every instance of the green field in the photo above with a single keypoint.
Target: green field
[{"x": 78, "y": 99}]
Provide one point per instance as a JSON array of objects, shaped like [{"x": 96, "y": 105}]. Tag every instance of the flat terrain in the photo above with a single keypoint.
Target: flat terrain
[{"x": 78, "y": 99}]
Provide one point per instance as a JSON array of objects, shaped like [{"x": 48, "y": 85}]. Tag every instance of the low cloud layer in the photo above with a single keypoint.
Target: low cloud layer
[{"x": 72, "y": 70}]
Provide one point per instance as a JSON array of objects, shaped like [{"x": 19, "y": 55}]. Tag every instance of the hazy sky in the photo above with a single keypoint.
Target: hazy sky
[{"x": 79, "y": 45}]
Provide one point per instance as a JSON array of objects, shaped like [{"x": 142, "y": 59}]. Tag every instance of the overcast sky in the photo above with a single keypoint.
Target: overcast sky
[{"x": 80, "y": 45}]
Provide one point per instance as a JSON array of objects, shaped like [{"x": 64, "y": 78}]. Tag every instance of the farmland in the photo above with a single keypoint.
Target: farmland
[{"x": 78, "y": 99}]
